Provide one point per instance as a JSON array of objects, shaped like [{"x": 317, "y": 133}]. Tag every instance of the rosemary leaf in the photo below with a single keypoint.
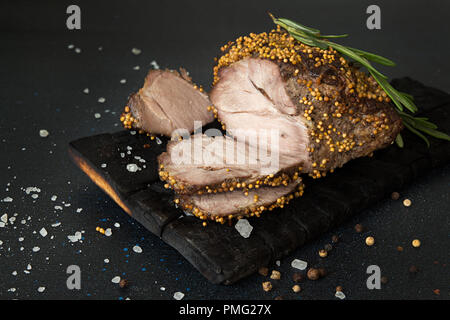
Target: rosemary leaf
[
  {"x": 410, "y": 128},
  {"x": 399, "y": 141},
  {"x": 312, "y": 37},
  {"x": 374, "y": 57}
]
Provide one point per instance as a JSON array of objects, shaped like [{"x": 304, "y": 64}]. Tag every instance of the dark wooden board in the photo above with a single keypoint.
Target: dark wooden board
[{"x": 218, "y": 251}]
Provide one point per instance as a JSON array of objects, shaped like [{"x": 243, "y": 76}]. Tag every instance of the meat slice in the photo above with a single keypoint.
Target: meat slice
[
  {"x": 168, "y": 101},
  {"x": 326, "y": 110},
  {"x": 204, "y": 164},
  {"x": 228, "y": 205}
]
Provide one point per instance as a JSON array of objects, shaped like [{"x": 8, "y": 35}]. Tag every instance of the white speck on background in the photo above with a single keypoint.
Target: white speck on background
[
  {"x": 178, "y": 295},
  {"x": 75, "y": 237},
  {"x": 122, "y": 81},
  {"x": 154, "y": 64},
  {"x": 116, "y": 279},
  {"x": 77, "y": 50},
  {"x": 103, "y": 165},
  {"x": 299, "y": 264},
  {"x": 108, "y": 232},
  {"x": 136, "y": 51},
  {"x": 244, "y": 228},
  {"x": 132, "y": 167},
  {"x": 97, "y": 115},
  {"x": 117, "y": 225},
  {"x": 43, "y": 232},
  {"x": 137, "y": 249},
  {"x": 36, "y": 249},
  {"x": 86, "y": 90},
  {"x": 53, "y": 198},
  {"x": 136, "y": 68},
  {"x": 43, "y": 133},
  {"x": 340, "y": 295},
  {"x": 8, "y": 199},
  {"x": 41, "y": 289}
]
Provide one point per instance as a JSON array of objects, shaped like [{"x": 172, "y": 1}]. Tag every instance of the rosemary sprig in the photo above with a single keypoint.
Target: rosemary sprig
[{"x": 312, "y": 37}]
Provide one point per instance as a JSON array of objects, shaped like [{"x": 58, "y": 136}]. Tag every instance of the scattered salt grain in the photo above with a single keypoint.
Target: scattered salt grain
[
  {"x": 70, "y": 46},
  {"x": 340, "y": 295},
  {"x": 43, "y": 232},
  {"x": 4, "y": 218},
  {"x": 53, "y": 198},
  {"x": 122, "y": 81},
  {"x": 75, "y": 237},
  {"x": 57, "y": 224},
  {"x": 97, "y": 115},
  {"x": 103, "y": 165},
  {"x": 8, "y": 199},
  {"x": 86, "y": 90},
  {"x": 36, "y": 249},
  {"x": 244, "y": 228},
  {"x": 137, "y": 249},
  {"x": 41, "y": 289},
  {"x": 108, "y": 232},
  {"x": 162, "y": 289},
  {"x": 116, "y": 279},
  {"x": 178, "y": 295},
  {"x": 77, "y": 50},
  {"x": 136, "y": 51},
  {"x": 132, "y": 167},
  {"x": 101, "y": 100},
  {"x": 154, "y": 64},
  {"x": 79, "y": 210},
  {"x": 106, "y": 260},
  {"x": 117, "y": 225},
  {"x": 299, "y": 264},
  {"x": 43, "y": 133},
  {"x": 136, "y": 68}
]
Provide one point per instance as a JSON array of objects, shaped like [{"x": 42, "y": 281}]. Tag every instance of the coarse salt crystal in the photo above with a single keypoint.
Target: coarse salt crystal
[
  {"x": 299, "y": 264},
  {"x": 36, "y": 249},
  {"x": 244, "y": 228},
  {"x": 8, "y": 199},
  {"x": 340, "y": 295},
  {"x": 108, "y": 232},
  {"x": 178, "y": 295},
  {"x": 43, "y": 133},
  {"x": 86, "y": 90},
  {"x": 136, "y": 51},
  {"x": 137, "y": 249},
  {"x": 116, "y": 279},
  {"x": 154, "y": 64},
  {"x": 43, "y": 232},
  {"x": 132, "y": 167},
  {"x": 41, "y": 289},
  {"x": 97, "y": 115}
]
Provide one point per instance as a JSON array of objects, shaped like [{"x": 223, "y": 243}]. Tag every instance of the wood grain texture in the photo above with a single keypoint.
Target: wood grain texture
[{"x": 218, "y": 251}]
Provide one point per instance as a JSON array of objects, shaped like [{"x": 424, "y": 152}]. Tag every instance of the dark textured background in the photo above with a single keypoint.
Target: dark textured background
[{"x": 41, "y": 84}]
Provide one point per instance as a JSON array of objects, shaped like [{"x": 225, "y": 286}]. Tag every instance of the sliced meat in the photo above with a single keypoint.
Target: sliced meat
[
  {"x": 227, "y": 205},
  {"x": 168, "y": 101},
  {"x": 204, "y": 164},
  {"x": 327, "y": 111}
]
